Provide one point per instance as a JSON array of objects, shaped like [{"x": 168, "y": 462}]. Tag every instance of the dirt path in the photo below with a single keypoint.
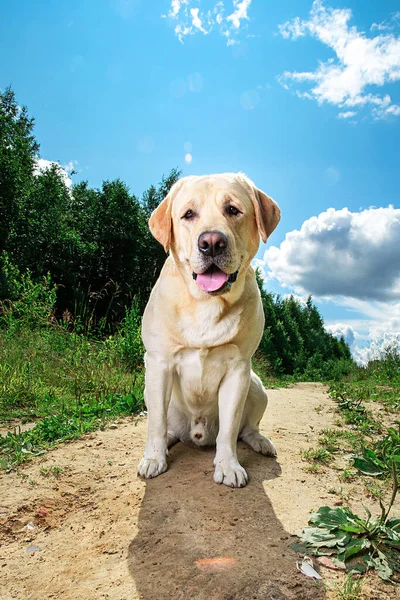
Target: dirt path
[{"x": 103, "y": 533}]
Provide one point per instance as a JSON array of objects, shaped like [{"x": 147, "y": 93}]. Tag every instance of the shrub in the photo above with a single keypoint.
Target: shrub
[
  {"x": 31, "y": 302},
  {"x": 128, "y": 341}
]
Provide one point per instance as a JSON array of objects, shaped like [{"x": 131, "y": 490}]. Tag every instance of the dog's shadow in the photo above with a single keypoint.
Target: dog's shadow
[{"x": 201, "y": 541}]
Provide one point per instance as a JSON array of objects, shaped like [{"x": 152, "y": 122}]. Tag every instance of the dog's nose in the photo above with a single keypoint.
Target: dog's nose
[
  {"x": 212, "y": 243},
  {"x": 198, "y": 436}
]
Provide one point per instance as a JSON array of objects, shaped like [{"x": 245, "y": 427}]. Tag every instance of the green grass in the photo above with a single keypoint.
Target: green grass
[
  {"x": 367, "y": 428},
  {"x": 65, "y": 383},
  {"x": 52, "y": 471},
  {"x": 350, "y": 589},
  {"x": 16, "y": 448},
  {"x": 371, "y": 390},
  {"x": 53, "y": 371},
  {"x": 339, "y": 440},
  {"x": 316, "y": 455}
]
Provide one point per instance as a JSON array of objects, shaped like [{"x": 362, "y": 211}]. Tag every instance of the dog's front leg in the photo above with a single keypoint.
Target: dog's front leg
[
  {"x": 157, "y": 396},
  {"x": 231, "y": 400}
]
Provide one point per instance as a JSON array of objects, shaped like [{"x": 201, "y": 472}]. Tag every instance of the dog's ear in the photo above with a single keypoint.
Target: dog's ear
[
  {"x": 266, "y": 210},
  {"x": 160, "y": 222}
]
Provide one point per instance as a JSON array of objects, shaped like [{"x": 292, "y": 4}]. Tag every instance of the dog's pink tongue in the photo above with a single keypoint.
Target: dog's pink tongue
[{"x": 212, "y": 280}]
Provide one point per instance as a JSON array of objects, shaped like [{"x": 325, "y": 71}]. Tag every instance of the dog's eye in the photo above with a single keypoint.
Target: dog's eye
[
  {"x": 189, "y": 214},
  {"x": 232, "y": 210}
]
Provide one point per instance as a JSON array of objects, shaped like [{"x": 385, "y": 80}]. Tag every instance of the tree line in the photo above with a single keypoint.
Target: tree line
[
  {"x": 295, "y": 341},
  {"x": 95, "y": 243},
  {"x": 96, "y": 247}
]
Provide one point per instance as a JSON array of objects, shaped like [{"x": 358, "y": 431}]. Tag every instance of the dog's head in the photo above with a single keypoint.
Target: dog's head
[{"x": 212, "y": 225}]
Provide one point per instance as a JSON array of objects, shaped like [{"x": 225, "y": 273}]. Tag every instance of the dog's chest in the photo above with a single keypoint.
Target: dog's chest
[
  {"x": 206, "y": 326},
  {"x": 199, "y": 373}
]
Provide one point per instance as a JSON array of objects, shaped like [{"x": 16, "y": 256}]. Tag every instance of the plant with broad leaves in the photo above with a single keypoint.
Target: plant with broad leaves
[
  {"x": 356, "y": 544},
  {"x": 378, "y": 461}
]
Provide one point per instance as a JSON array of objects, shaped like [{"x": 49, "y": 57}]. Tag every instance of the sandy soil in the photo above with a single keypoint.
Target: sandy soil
[{"x": 100, "y": 532}]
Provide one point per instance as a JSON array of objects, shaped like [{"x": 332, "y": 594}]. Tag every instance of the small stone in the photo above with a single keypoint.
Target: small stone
[{"x": 32, "y": 549}]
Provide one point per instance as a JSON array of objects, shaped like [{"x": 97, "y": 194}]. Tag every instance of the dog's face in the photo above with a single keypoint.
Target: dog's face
[{"x": 212, "y": 225}]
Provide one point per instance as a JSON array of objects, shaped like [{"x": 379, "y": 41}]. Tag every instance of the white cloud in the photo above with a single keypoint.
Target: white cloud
[
  {"x": 394, "y": 109},
  {"x": 342, "y": 253},
  {"x": 240, "y": 12},
  {"x": 377, "y": 348},
  {"x": 347, "y": 114},
  {"x": 196, "y": 21},
  {"x": 360, "y": 62},
  {"x": 353, "y": 260},
  {"x": 43, "y": 165},
  {"x": 176, "y": 6},
  {"x": 342, "y": 330},
  {"x": 388, "y": 24},
  {"x": 383, "y": 337},
  {"x": 72, "y": 165},
  {"x": 191, "y": 19},
  {"x": 376, "y": 337}
]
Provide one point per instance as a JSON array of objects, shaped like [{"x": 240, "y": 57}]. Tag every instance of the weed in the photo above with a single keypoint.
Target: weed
[
  {"x": 335, "y": 440},
  {"x": 378, "y": 460},
  {"x": 347, "y": 475},
  {"x": 314, "y": 468},
  {"x": 355, "y": 543},
  {"x": 51, "y": 471},
  {"x": 319, "y": 455},
  {"x": 349, "y": 590},
  {"x": 375, "y": 489}
]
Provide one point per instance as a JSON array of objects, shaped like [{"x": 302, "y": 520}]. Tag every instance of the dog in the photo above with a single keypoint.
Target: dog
[{"x": 204, "y": 321}]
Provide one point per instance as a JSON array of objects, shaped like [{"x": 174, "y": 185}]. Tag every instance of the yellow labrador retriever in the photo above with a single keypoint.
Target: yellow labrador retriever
[{"x": 204, "y": 321}]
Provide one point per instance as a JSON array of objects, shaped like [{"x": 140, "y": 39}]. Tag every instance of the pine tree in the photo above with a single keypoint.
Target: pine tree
[{"x": 18, "y": 153}]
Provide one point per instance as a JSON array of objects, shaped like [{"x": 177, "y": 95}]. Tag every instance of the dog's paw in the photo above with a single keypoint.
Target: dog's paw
[
  {"x": 230, "y": 472},
  {"x": 259, "y": 443},
  {"x": 151, "y": 467}
]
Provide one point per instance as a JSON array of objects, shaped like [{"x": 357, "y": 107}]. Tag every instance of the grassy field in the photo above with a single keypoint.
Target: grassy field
[
  {"x": 63, "y": 382},
  {"x": 60, "y": 379},
  {"x": 366, "y": 438}
]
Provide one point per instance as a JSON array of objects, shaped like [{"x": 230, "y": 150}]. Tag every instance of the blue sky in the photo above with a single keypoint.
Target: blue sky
[{"x": 302, "y": 97}]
